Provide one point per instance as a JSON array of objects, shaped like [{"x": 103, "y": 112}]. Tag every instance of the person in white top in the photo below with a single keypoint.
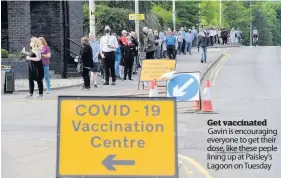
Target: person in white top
[
  {"x": 211, "y": 34},
  {"x": 255, "y": 35},
  {"x": 108, "y": 46}
]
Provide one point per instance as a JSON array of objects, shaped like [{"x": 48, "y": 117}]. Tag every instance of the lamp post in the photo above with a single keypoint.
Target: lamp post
[
  {"x": 174, "y": 14},
  {"x": 251, "y": 43},
  {"x": 220, "y": 12},
  {"x": 92, "y": 17},
  {"x": 137, "y": 22}
]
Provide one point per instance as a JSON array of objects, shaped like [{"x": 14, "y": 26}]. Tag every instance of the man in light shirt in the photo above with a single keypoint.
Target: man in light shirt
[{"x": 108, "y": 46}]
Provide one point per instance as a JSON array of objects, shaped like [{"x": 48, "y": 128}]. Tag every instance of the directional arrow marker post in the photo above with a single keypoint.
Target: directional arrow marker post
[
  {"x": 180, "y": 91},
  {"x": 109, "y": 163}
]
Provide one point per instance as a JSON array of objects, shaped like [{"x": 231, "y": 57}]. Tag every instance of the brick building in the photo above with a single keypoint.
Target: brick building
[{"x": 54, "y": 20}]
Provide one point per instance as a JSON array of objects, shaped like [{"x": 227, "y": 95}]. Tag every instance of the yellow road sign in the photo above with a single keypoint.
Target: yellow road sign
[
  {"x": 136, "y": 17},
  {"x": 154, "y": 69},
  {"x": 116, "y": 137}
]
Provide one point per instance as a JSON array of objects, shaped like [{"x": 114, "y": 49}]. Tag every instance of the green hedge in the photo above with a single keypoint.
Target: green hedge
[{"x": 4, "y": 53}]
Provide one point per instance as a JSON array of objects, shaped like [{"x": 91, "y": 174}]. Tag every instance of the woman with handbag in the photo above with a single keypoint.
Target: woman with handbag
[{"x": 86, "y": 62}]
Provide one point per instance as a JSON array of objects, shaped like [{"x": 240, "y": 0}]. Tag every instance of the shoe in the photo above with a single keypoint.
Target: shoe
[
  {"x": 40, "y": 96},
  {"x": 48, "y": 92},
  {"x": 95, "y": 85},
  {"x": 29, "y": 96},
  {"x": 105, "y": 83},
  {"x": 87, "y": 89},
  {"x": 201, "y": 61},
  {"x": 134, "y": 73},
  {"x": 205, "y": 62},
  {"x": 113, "y": 83},
  {"x": 124, "y": 79},
  {"x": 131, "y": 79}
]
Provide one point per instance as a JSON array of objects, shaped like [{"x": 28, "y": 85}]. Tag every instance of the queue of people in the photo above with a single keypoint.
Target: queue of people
[
  {"x": 118, "y": 56},
  {"x": 221, "y": 36},
  {"x": 169, "y": 44}
]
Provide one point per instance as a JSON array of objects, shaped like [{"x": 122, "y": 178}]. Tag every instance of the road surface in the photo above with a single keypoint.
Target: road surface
[{"x": 247, "y": 85}]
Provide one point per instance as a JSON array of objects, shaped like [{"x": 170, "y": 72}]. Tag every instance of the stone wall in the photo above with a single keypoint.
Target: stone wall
[
  {"x": 42, "y": 18},
  {"x": 48, "y": 24},
  {"x": 4, "y": 38},
  {"x": 75, "y": 24},
  {"x": 18, "y": 24}
]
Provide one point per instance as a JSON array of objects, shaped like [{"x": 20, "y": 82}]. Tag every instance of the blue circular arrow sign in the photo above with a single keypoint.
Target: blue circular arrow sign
[{"x": 183, "y": 86}]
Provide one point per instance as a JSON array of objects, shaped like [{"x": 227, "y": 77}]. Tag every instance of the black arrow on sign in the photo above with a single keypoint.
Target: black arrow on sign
[{"x": 109, "y": 163}]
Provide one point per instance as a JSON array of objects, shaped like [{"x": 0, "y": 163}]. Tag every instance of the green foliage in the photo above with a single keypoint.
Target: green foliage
[
  {"x": 164, "y": 15},
  {"x": 209, "y": 11},
  {"x": 187, "y": 14},
  {"x": 266, "y": 16},
  {"x": 117, "y": 18},
  {"x": 4, "y": 53},
  {"x": 235, "y": 15}
]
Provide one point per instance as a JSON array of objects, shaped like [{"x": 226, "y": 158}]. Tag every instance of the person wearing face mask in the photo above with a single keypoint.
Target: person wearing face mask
[
  {"x": 35, "y": 67},
  {"x": 149, "y": 43},
  {"x": 203, "y": 43},
  {"x": 129, "y": 52},
  {"x": 108, "y": 46}
]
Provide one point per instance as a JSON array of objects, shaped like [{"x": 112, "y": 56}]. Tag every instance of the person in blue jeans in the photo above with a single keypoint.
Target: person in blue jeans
[
  {"x": 46, "y": 55},
  {"x": 189, "y": 38},
  {"x": 117, "y": 61},
  {"x": 203, "y": 43}
]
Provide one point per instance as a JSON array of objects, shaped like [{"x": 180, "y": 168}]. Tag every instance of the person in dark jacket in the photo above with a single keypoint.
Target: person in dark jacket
[
  {"x": 87, "y": 60},
  {"x": 129, "y": 52},
  {"x": 203, "y": 43},
  {"x": 224, "y": 36},
  {"x": 35, "y": 67},
  {"x": 136, "y": 60}
]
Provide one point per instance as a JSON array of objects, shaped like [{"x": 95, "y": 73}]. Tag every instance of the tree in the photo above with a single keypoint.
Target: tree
[{"x": 235, "y": 15}]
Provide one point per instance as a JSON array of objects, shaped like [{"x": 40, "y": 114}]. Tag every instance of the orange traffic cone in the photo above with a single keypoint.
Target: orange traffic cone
[
  {"x": 153, "y": 91},
  {"x": 195, "y": 106},
  {"x": 207, "y": 103}
]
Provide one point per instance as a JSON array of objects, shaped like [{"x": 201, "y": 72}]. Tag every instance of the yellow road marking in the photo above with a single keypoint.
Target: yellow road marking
[
  {"x": 219, "y": 68},
  {"x": 187, "y": 171},
  {"x": 196, "y": 165},
  {"x": 213, "y": 72}
]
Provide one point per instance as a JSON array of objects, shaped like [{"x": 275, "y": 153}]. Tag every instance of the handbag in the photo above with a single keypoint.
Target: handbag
[{"x": 80, "y": 65}]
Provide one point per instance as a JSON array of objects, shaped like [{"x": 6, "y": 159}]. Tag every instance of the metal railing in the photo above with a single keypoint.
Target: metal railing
[{"x": 75, "y": 44}]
